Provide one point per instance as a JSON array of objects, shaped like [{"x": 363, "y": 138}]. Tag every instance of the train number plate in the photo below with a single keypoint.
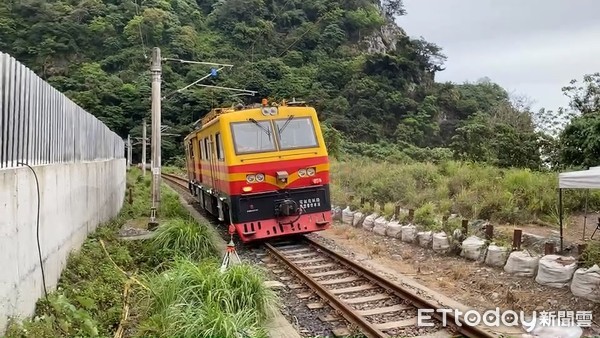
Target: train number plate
[{"x": 310, "y": 203}]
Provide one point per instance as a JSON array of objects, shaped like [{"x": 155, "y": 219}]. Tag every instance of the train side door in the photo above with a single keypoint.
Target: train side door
[
  {"x": 189, "y": 160},
  {"x": 197, "y": 151},
  {"x": 213, "y": 163}
]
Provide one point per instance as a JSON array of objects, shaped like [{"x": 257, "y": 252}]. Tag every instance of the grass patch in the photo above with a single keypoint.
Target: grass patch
[
  {"x": 197, "y": 300},
  {"x": 181, "y": 237},
  {"x": 473, "y": 191},
  {"x": 187, "y": 297}
]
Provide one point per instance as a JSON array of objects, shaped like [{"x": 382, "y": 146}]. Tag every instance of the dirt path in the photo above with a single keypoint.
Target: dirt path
[
  {"x": 573, "y": 228},
  {"x": 471, "y": 283}
]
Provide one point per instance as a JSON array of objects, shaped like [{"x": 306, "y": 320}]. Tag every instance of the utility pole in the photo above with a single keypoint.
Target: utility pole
[
  {"x": 156, "y": 70},
  {"x": 144, "y": 148},
  {"x": 128, "y": 151}
]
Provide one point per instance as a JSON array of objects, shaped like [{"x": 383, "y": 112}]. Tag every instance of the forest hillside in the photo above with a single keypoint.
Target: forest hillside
[{"x": 373, "y": 86}]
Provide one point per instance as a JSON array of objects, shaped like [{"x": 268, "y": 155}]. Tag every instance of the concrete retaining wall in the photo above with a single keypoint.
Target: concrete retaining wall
[{"x": 74, "y": 199}]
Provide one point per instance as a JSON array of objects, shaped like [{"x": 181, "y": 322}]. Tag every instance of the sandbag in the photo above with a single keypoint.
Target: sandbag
[
  {"x": 555, "y": 271},
  {"x": 521, "y": 263},
  {"x": 347, "y": 216},
  {"x": 472, "y": 248},
  {"x": 496, "y": 255},
  {"x": 358, "y": 219},
  {"x": 547, "y": 330},
  {"x": 369, "y": 221},
  {"x": 586, "y": 283},
  {"x": 409, "y": 233},
  {"x": 440, "y": 242},
  {"x": 336, "y": 213},
  {"x": 380, "y": 226},
  {"x": 394, "y": 229},
  {"x": 424, "y": 238}
]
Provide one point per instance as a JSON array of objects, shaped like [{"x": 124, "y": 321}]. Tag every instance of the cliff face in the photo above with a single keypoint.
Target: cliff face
[{"x": 384, "y": 40}]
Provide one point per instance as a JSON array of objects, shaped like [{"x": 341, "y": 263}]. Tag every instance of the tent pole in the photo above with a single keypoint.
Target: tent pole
[
  {"x": 587, "y": 195},
  {"x": 560, "y": 217}
]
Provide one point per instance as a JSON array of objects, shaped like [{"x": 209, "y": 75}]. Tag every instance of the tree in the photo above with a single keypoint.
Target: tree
[
  {"x": 580, "y": 140},
  {"x": 585, "y": 98}
]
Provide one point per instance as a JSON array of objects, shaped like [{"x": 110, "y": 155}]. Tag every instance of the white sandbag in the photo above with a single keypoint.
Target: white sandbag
[
  {"x": 380, "y": 226},
  {"x": 409, "y": 233},
  {"x": 586, "y": 283},
  {"x": 347, "y": 216},
  {"x": 369, "y": 221},
  {"x": 496, "y": 255},
  {"x": 555, "y": 271},
  {"x": 521, "y": 263},
  {"x": 394, "y": 229},
  {"x": 336, "y": 213},
  {"x": 425, "y": 238},
  {"x": 547, "y": 330},
  {"x": 472, "y": 248},
  {"x": 358, "y": 219},
  {"x": 440, "y": 242}
]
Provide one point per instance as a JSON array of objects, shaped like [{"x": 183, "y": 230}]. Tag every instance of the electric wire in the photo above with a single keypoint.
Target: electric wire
[{"x": 38, "y": 228}]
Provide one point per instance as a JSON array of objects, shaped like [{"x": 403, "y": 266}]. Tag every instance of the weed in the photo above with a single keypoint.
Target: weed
[
  {"x": 179, "y": 237},
  {"x": 591, "y": 255},
  {"x": 197, "y": 300}
]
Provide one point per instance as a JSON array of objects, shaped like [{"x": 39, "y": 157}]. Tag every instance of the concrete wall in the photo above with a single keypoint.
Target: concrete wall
[{"x": 74, "y": 199}]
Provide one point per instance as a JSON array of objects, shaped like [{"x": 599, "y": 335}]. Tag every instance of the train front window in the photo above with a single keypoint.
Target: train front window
[
  {"x": 253, "y": 137},
  {"x": 296, "y": 132}
]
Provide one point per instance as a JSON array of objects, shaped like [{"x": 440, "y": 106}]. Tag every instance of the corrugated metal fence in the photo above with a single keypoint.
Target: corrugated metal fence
[{"x": 40, "y": 125}]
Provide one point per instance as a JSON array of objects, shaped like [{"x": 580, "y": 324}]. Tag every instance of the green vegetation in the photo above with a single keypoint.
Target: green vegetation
[
  {"x": 591, "y": 255},
  {"x": 173, "y": 282},
  {"x": 373, "y": 86},
  {"x": 469, "y": 190}
]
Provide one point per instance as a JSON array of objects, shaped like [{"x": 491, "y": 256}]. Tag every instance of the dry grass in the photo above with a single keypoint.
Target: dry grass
[{"x": 459, "y": 272}]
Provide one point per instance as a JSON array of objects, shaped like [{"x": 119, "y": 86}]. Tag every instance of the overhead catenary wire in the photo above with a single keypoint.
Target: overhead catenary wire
[{"x": 191, "y": 84}]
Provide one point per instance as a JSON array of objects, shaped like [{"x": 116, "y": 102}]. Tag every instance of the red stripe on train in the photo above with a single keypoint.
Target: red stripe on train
[{"x": 264, "y": 166}]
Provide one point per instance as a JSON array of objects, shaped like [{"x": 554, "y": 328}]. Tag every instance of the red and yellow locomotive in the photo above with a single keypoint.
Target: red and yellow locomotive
[{"x": 263, "y": 169}]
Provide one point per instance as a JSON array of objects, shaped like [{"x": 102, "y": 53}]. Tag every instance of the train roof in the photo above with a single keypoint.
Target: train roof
[{"x": 216, "y": 112}]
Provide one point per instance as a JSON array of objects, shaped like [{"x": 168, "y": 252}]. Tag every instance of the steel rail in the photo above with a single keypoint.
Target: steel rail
[
  {"x": 403, "y": 293},
  {"x": 181, "y": 181},
  {"x": 328, "y": 297}
]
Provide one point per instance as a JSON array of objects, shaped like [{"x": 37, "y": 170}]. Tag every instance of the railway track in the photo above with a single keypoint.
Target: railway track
[
  {"x": 178, "y": 180},
  {"x": 378, "y": 307}
]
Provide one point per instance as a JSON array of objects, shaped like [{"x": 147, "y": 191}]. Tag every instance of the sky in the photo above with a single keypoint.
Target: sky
[{"x": 529, "y": 47}]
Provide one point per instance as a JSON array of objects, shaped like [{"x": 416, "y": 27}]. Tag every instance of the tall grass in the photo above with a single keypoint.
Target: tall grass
[
  {"x": 467, "y": 189},
  {"x": 197, "y": 300},
  {"x": 183, "y": 237}
]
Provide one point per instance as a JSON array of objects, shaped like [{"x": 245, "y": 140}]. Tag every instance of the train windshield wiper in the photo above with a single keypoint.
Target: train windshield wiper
[
  {"x": 285, "y": 124},
  {"x": 261, "y": 127}
]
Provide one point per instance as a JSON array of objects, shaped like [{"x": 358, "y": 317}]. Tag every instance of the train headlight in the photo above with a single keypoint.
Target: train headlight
[
  {"x": 311, "y": 171},
  {"x": 302, "y": 172},
  {"x": 260, "y": 177},
  {"x": 266, "y": 111},
  {"x": 250, "y": 178}
]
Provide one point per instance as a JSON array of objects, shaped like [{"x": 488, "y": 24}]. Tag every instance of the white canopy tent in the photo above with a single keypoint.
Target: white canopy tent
[{"x": 583, "y": 179}]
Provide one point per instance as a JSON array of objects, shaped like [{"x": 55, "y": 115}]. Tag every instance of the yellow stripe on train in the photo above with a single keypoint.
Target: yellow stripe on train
[{"x": 268, "y": 178}]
